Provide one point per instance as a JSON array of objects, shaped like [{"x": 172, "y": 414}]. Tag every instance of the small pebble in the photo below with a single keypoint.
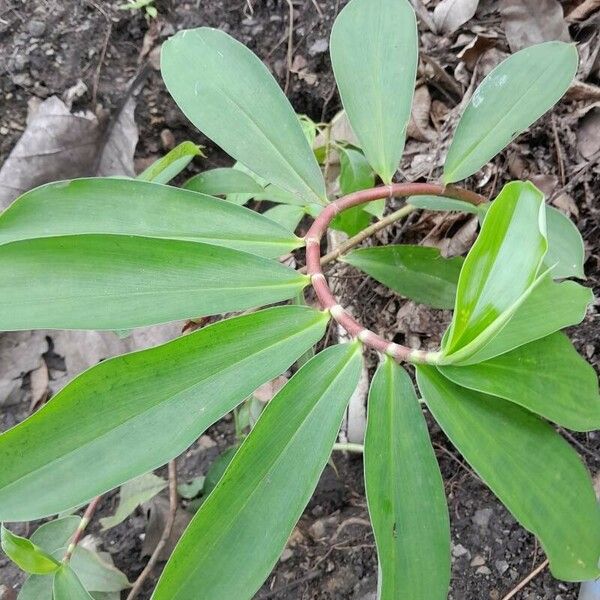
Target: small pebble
[
  {"x": 501, "y": 566},
  {"x": 482, "y": 517},
  {"x": 483, "y": 571},
  {"x": 319, "y": 47},
  {"x": 286, "y": 555},
  {"x": 36, "y": 28},
  {"x": 459, "y": 550},
  {"x": 478, "y": 561}
]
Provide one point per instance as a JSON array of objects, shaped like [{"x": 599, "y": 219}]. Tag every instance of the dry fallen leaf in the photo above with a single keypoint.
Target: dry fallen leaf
[
  {"x": 586, "y": 8},
  {"x": 471, "y": 53},
  {"x": 418, "y": 125},
  {"x": 58, "y": 144},
  {"x": 528, "y": 22},
  {"x": 588, "y": 134},
  {"x": 449, "y": 15}
]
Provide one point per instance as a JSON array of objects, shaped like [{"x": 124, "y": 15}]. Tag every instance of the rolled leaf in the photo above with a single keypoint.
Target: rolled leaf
[
  {"x": 417, "y": 272},
  {"x": 550, "y": 306},
  {"x": 374, "y": 51},
  {"x": 501, "y": 268},
  {"x": 566, "y": 254},
  {"x": 220, "y": 182},
  {"x": 514, "y": 95},
  {"x": 547, "y": 377},
  {"x": 120, "y": 282},
  {"x": 170, "y": 165},
  {"x": 405, "y": 492},
  {"x": 245, "y": 523},
  {"x": 130, "y": 207},
  {"x": 26, "y": 555},
  {"x": 130, "y": 414},
  {"x": 229, "y": 94},
  {"x": 529, "y": 466}
]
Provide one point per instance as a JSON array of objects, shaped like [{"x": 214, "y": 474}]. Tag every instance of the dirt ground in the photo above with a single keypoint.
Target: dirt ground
[{"x": 47, "y": 46}]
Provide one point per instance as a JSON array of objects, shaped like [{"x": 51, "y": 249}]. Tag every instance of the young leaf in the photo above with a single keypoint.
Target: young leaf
[
  {"x": 27, "y": 555},
  {"x": 533, "y": 471},
  {"x": 550, "y": 307},
  {"x": 170, "y": 165},
  {"x": 55, "y": 534},
  {"x": 244, "y": 524},
  {"x": 374, "y": 52},
  {"x": 495, "y": 278},
  {"x": 166, "y": 395},
  {"x": 132, "y": 494},
  {"x": 351, "y": 220},
  {"x": 229, "y": 94},
  {"x": 417, "y": 272},
  {"x": 405, "y": 492},
  {"x": 66, "y": 585},
  {"x": 547, "y": 377},
  {"x": 355, "y": 172},
  {"x": 565, "y": 246},
  {"x": 444, "y": 204},
  {"x": 220, "y": 182},
  {"x": 130, "y": 207},
  {"x": 121, "y": 282},
  {"x": 514, "y": 95}
]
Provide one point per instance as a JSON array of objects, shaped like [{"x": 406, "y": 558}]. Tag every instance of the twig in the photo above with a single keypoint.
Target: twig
[
  {"x": 290, "y": 47},
  {"x": 525, "y": 581},
  {"x": 173, "y": 502},
  {"x": 559, "y": 154},
  {"x": 291, "y": 585},
  {"x": 349, "y": 447},
  {"x": 102, "y": 54},
  {"x": 85, "y": 519}
]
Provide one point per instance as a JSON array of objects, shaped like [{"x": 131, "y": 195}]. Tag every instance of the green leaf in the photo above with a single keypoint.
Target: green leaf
[
  {"x": 500, "y": 270},
  {"x": 417, "y": 272},
  {"x": 238, "y": 534},
  {"x": 36, "y": 587},
  {"x": 374, "y": 50},
  {"x": 130, "y": 207},
  {"x": 533, "y": 471},
  {"x": 355, "y": 172},
  {"x": 286, "y": 215},
  {"x": 132, "y": 494},
  {"x": 139, "y": 410},
  {"x": 229, "y": 94},
  {"x": 26, "y": 555},
  {"x": 565, "y": 246},
  {"x": 514, "y": 95},
  {"x": 170, "y": 165},
  {"x": 443, "y": 204},
  {"x": 55, "y": 534},
  {"x": 352, "y": 220},
  {"x": 550, "y": 306},
  {"x": 66, "y": 585},
  {"x": 405, "y": 492},
  {"x": 242, "y": 198},
  {"x": 95, "y": 573},
  {"x": 216, "y": 470},
  {"x": 547, "y": 377},
  {"x": 273, "y": 193},
  {"x": 119, "y": 282},
  {"x": 223, "y": 181}
]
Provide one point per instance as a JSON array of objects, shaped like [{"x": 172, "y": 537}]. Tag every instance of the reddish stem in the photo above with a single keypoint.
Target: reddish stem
[
  {"x": 85, "y": 519},
  {"x": 313, "y": 257}
]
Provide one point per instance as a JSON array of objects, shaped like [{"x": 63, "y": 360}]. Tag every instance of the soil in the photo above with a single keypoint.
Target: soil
[{"x": 46, "y": 46}]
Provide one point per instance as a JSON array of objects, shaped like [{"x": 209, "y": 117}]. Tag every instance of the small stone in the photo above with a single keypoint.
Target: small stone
[
  {"x": 3, "y": 131},
  {"x": 319, "y": 47},
  {"x": 206, "y": 442},
  {"x": 317, "y": 530},
  {"x": 36, "y": 28},
  {"x": 459, "y": 550},
  {"x": 494, "y": 595},
  {"x": 167, "y": 139},
  {"x": 483, "y": 571},
  {"x": 286, "y": 555},
  {"x": 501, "y": 566},
  {"x": 478, "y": 561},
  {"x": 482, "y": 517}
]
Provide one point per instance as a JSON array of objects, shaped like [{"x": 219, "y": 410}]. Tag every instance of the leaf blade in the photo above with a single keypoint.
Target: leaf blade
[
  {"x": 546, "y": 376},
  {"x": 405, "y": 492},
  {"x": 25, "y": 554},
  {"x": 121, "y": 282},
  {"x": 170, "y": 165},
  {"x": 307, "y": 413},
  {"x": 165, "y": 394},
  {"x": 566, "y": 253},
  {"x": 229, "y": 94},
  {"x": 533, "y": 471},
  {"x": 417, "y": 272},
  {"x": 514, "y": 95},
  {"x": 377, "y": 92},
  {"x": 223, "y": 181},
  {"x": 130, "y": 207}
]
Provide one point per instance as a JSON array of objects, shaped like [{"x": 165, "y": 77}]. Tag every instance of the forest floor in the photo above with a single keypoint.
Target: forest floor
[{"x": 92, "y": 50}]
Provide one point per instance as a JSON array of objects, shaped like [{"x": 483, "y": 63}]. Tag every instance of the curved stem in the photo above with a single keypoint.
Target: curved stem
[
  {"x": 85, "y": 519},
  {"x": 314, "y": 261}
]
